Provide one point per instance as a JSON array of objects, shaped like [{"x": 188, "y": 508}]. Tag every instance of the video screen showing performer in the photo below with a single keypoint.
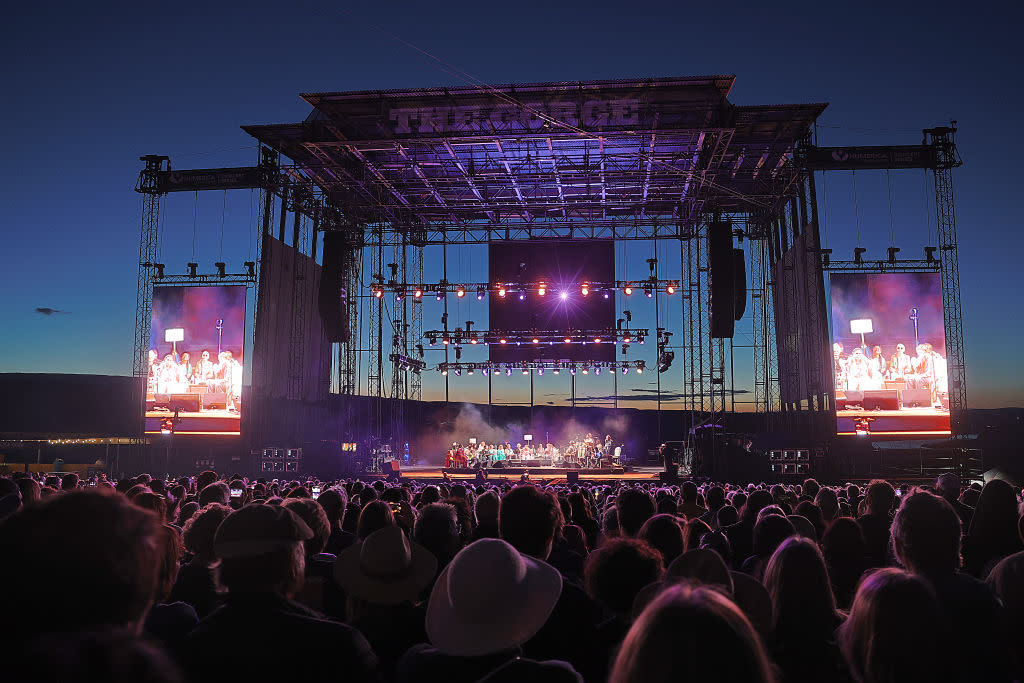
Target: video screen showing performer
[
  {"x": 197, "y": 339},
  {"x": 889, "y": 354},
  {"x": 579, "y": 452}
]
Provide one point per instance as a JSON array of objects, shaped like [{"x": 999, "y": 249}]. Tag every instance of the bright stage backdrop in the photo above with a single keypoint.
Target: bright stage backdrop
[
  {"x": 563, "y": 266},
  {"x": 890, "y": 304},
  {"x": 207, "y": 319}
]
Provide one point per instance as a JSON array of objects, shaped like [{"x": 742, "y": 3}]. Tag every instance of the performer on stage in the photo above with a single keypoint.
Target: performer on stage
[
  {"x": 901, "y": 364},
  {"x": 204, "y": 370},
  {"x": 186, "y": 368},
  {"x": 858, "y": 371},
  {"x": 839, "y": 366}
]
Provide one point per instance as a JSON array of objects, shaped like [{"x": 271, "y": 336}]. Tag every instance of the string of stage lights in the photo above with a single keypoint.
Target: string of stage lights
[
  {"x": 459, "y": 336},
  {"x": 521, "y": 290},
  {"x": 555, "y": 367}
]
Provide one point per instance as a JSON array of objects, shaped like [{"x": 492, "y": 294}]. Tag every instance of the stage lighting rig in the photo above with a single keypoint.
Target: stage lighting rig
[
  {"x": 665, "y": 360},
  {"x": 858, "y": 255},
  {"x": 826, "y": 258},
  {"x": 192, "y": 268},
  {"x": 585, "y": 289},
  {"x": 892, "y": 251},
  {"x": 221, "y": 268},
  {"x": 460, "y": 291},
  {"x": 929, "y": 254},
  {"x": 160, "y": 270},
  {"x": 501, "y": 291},
  {"x": 250, "y": 268},
  {"x": 628, "y": 289},
  {"x": 480, "y": 292},
  {"x": 542, "y": 289}
]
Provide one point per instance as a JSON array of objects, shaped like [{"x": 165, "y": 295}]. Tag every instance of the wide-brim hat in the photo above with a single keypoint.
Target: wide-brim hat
[
  {"x": 490, "y": 598},
  {"x": 386, "y": 568}
]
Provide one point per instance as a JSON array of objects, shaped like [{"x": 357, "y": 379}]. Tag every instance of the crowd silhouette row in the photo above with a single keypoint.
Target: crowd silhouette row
[{"x": 212, "y": 578}]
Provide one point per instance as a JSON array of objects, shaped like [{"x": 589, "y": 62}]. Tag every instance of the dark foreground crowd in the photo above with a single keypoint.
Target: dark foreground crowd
[{"x": 214, "y": 579}]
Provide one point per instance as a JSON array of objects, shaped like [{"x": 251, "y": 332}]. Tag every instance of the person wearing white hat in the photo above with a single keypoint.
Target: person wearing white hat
[{"x": 486, "y": 603}]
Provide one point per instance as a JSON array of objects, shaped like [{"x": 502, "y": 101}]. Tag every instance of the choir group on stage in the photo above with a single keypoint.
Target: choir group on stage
[
  {"x": 176, "y": 374},
  {"x": 862, "y": 372},
  {"x": 580, "y": 452}
]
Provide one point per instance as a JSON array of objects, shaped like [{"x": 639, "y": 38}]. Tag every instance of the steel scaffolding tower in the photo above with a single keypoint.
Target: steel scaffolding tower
[{"x": 946, "y": 159}]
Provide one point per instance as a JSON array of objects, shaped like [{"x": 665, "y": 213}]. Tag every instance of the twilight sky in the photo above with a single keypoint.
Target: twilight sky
[{"x": 91, "y": 87}]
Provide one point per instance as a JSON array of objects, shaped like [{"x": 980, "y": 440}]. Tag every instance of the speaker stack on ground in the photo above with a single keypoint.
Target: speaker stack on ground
[
  {"x": 273, "y": 460},
  {"x": 794, "y": 462}
]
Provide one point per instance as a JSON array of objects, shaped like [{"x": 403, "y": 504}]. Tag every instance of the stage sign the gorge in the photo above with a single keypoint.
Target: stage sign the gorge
[
  {"x": 560, "y": 268},
  {"x": 197, "y": 338},
  {"x": 889, "y": 354}
]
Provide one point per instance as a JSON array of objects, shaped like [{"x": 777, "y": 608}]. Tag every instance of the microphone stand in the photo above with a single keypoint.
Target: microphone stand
[{"x": 913, "y": 317}]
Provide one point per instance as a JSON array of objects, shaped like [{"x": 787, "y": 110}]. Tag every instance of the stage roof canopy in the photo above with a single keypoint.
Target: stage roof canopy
[{"x": 588, "y": 152}]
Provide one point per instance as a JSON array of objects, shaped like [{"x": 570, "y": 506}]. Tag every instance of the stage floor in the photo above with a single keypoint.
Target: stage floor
[
  {"x": 905, "y": 421},
  {"x": 552, "y": 475}
]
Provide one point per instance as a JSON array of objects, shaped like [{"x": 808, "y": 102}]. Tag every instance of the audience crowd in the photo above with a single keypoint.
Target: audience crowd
[{"x": 212, "y": 578}]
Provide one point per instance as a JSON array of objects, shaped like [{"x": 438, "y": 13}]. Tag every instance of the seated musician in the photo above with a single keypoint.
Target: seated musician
[{"x": 449, "y": 459}]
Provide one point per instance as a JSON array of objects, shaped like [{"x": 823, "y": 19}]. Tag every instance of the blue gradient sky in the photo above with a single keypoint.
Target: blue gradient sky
[{"x": 90, "y": 88}]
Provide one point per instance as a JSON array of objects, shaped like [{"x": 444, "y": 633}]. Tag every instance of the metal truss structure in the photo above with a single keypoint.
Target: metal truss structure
[
  {"x": 618, "y": 160},
  {"x": 649, "y": 160}
]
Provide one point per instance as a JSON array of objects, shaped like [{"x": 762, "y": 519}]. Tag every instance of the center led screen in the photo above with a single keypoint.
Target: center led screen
[
  {"x": 194, "y": 384},
  {"x": 889, "y": 354},
  {"x": 562, "y": 267}
]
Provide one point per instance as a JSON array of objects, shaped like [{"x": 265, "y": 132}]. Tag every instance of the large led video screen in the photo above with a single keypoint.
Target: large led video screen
[
  {"x": 560, "y": 268},
  {"x": 197, "y": 339},
  {"x": 889, "y": 354}
]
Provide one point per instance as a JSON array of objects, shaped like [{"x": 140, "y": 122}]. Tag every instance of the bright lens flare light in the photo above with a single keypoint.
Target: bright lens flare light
[
  {"x": 585, "y": 289},
  {"x": 627, "y": 290},
  {"x": 542, "y": 289},
  {"x": 563, "y": 296}
]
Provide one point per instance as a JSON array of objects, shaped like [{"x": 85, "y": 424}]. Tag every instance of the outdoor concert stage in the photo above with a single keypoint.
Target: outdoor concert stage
[{"x": 550, "y": 475}]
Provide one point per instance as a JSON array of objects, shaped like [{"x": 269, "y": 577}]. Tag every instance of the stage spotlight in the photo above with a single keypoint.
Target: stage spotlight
[
  {"x": 597, "y": 340},
  {"x": 419, "y": 350},
  {"x": 892, "y": 253},
  {"x": 625, "y": 369},
  {"x": 648, "y": 291},
  {"x": 460, "y": 292},
  {"x": 470, "y": 371},
  {"x": 439, "y": 296},
  {"x": 640, "y": 369},
  {"x": 567, "y": 340},
  {"x": 597, "y": 370},
  {"x": 444, "y": 373},
  {"x": 640, "y": 340},
  {"x": 536, "y": 340},
  {"x": 192, "y": 269},
  {"x": 480, "y": 291},
  {"x": 929, "y": 254},
  {"x": 522, "y": 296},
  {"x": 398, "y": 296},
  {"x": 418, "y": 293},
  {"x": 572, "y": 370},
  {"x": 444, "y": 341},
  {"x": 525, "y": 371},
  {"x": 501, "y": 291},
  {"x": 159, "y": 270},
  {"x": 627, "y": 290},
  {"x": 585, "y": 289},
  {"x": 540, "y": 371},
  {"x": 458, "y": 353},
  {"x": 564, "y": 295},
  {"x": 557, "y": 371},
  {"x": 483, "y": 371},
  {"x": 508, "y": 372},
  {"x": 458, "y": 373},
  {"x": 625, "y": 340},
  {"x": 472, "y": 340},
  {"x": 378, "y": 292},
  {"x": 665, "y": 360},
  {"x": 858, "y": 255},
  {"x": 586, "y": 370},
  {"x": 220, "y": 266},
  {"x": 542, "y": 289},
  {"x": 607, "y": 294},
  {"x": 432, "y": 339},
  {"x": 670, "y": 288}
]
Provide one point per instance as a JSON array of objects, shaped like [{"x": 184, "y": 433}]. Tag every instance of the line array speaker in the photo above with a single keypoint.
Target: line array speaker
[
  {"x": 332, "y": 298},
  {"x": 723, "y": 283}
]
